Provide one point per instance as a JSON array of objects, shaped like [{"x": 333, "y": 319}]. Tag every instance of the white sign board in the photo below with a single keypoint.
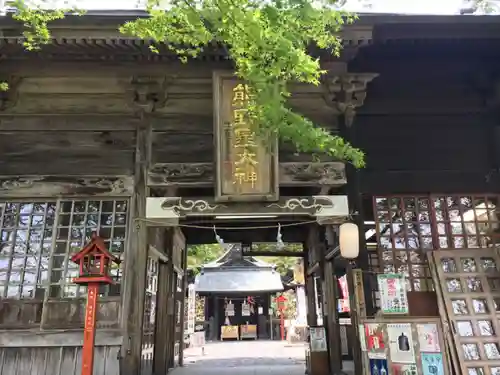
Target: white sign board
[
  {"x": 393, "y": 298},
  {"x": 191, "y": 315},
  {"x": 318, "y": 339}
]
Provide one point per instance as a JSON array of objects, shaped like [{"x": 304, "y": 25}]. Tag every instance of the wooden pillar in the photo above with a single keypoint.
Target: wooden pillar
[
  {"x": 331, "y": 320},
  {"x": 183, "y": 304},
  {"x": 172, "y": 290},
  {"x": 214, "y": 333},
  {"x": 162, "y": 316},
  {"x": 136, "y": 256},
  {"x": 160, "y": 354},
  {"x": 318, "y": 360},
  {"x": 356, "y": 206},
  {"x": 309, "y": 289}
]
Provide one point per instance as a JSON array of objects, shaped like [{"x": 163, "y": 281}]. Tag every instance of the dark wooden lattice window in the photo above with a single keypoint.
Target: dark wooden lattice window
[
  {"x": 466, "y": 222},
  {"x": 404, "y": 230},
  {"x": 408, "y": 226},
  {"x": 37, "y": 239}
]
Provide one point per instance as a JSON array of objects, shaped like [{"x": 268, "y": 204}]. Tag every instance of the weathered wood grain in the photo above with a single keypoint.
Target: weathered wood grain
[
  {"x": 137, "y": 254},
  {"x": 59, "y": 314},
  {"x": 196, "y": 146},
  {"x": 70, "y": 313},
  {"x": 15, "y": 314},
  {"x": 66, "y": 123},
  {"x": 290, "y": 174},
  {"x": 56, "y": 338},
  {"x": 57, "y": 360},
  {"x": 51, "y": 186},
  {"x": 66, "y": 153},
  {"x": 72, "y": 103}
]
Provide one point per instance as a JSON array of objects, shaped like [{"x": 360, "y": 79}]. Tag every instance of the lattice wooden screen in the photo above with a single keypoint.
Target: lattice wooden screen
[
  {"x": 407, "y": 226},
  {"x": 403, "y": 229},
  {"x": 37, "y": 239}
]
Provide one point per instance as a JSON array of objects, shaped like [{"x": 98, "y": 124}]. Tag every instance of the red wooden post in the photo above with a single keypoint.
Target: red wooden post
[
  {"x": 282, "y": 325},
  {"x": 281, "y": 307},
  {"x": 89, "y": 330},
  {"x": 94, "y": 261}
]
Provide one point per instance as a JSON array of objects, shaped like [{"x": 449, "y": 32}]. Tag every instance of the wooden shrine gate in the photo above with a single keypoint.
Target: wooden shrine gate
[{"x": 461, "y": 236}]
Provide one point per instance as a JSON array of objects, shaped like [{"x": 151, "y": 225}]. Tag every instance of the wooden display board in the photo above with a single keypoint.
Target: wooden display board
[
  {"x": 403, "y": 346},
  {"x": 229, "y": 332},
  {"x": 248, "y": 331}
]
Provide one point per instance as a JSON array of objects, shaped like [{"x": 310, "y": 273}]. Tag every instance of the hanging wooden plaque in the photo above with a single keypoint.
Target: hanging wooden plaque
[{"x": 247, "y": 164}]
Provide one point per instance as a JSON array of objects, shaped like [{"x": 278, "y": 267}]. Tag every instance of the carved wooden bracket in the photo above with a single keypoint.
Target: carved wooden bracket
[
  {"x": 290, "y": 174},
  {"x": 347, "y": 92},
  {"x": 149, "y": 93}
]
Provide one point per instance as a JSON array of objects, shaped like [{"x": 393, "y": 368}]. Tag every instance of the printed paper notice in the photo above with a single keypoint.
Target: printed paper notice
[
  {"x": 428, "y": 338},
  {"x": 401, "y": 343}
]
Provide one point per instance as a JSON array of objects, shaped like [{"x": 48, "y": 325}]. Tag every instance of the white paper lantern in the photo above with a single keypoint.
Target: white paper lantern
[{"x": 349, "y": 240}]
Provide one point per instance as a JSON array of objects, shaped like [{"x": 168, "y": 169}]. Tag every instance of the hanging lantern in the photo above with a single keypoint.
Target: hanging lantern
[{"x": 349, "y": 240}]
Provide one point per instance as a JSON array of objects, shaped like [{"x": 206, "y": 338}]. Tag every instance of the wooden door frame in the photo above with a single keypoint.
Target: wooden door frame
[{"x": 160, "y": 352}]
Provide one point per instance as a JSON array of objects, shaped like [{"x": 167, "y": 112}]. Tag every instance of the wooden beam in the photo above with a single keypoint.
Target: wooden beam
[
  {"x": 67, "y": 122},
  {"x": 197, "y": 236},
  {"x": 56, "y": 338},
  {"x": 276, "y": 253},
  {"x": 168, "y": 211},
  {"x": 423, "y": 181},
  {"x": 203, "y": 174},
  {"x": 332, "y": 253},
  {"x": 66, "y": 186},
  {"x": 313, "y": 269}
]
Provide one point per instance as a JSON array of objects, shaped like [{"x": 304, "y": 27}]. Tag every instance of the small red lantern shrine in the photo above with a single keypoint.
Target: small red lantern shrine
[
  {"x": 94, "y": 261},
  {"x": 281, "y": 302}
]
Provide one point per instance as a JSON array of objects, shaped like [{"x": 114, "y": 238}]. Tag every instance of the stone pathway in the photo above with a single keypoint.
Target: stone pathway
[{"x": 245, "y": 358}]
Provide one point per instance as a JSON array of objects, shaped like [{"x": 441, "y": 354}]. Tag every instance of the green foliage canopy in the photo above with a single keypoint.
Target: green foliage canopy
[{"x": 268, "y": 42}]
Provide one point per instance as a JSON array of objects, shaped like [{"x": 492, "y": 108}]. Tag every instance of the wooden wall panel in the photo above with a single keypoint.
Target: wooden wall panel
[
  {"x": 424, "y": 126},
  {"x": 423, "y": 142},
  {"x": 62, "y": 360},
  {"x": 60, "y": 314},
  {"x": 424, "y": 154},
  {"x": 180, "y": 146},
  {"x": 66, "y": 153},
  {"x": 420, "y": 80}
]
